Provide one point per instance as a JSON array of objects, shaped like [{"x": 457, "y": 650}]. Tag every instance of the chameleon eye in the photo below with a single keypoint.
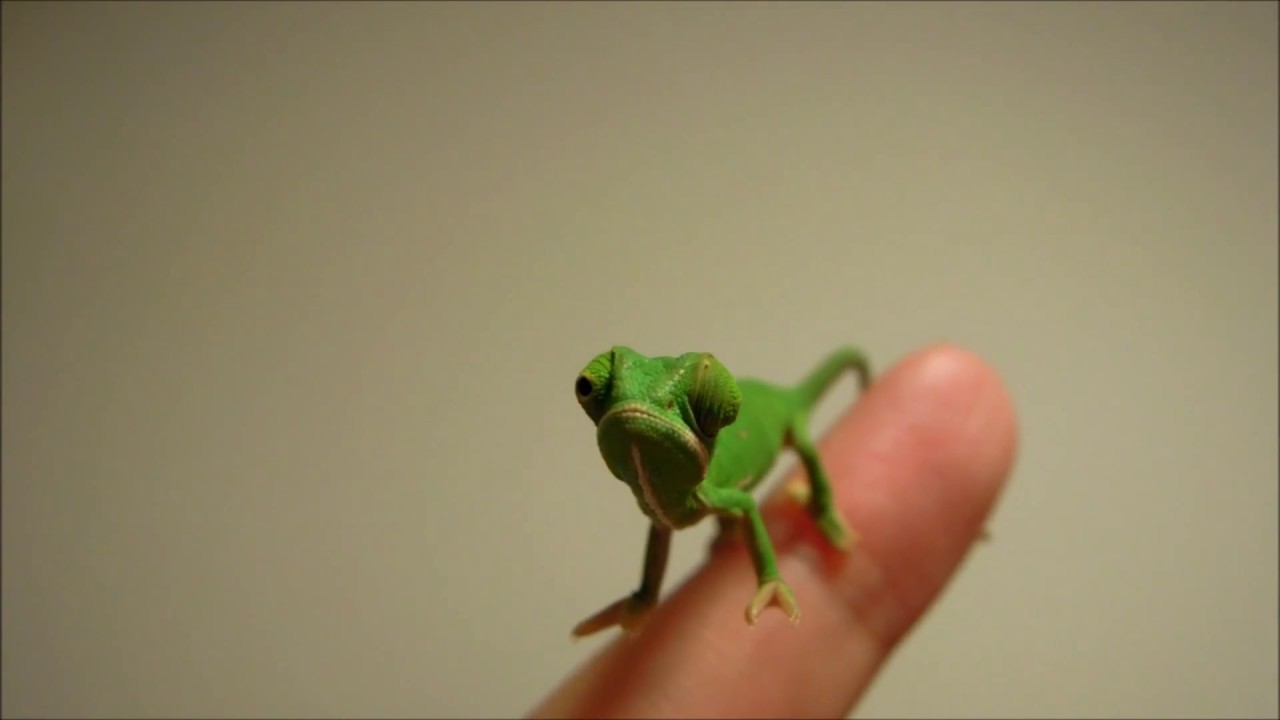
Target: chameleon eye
[
  {"x": 714, "y": 396},
  {"x": 592, "y": 385}
]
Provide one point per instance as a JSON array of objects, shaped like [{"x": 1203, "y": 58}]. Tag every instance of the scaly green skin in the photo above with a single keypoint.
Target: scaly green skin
[{"x": 690, "y": 441}]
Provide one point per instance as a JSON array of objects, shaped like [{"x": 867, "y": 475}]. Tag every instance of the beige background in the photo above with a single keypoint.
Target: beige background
[{"x": 293, "y": 297}]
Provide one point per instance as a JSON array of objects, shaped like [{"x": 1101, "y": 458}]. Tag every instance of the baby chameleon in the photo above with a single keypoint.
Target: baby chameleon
[{"x": 691, "y": 441}]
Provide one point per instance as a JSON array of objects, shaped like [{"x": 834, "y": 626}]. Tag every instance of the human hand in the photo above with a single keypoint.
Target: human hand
[{"x": 916, "y": 464}]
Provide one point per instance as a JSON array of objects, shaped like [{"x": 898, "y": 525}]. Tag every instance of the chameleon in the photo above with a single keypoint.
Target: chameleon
[{"x": 690, "y": 440}]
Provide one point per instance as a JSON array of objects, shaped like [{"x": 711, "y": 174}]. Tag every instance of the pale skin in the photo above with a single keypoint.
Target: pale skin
[
  {"x": 916, "y": 466},
  {"x": 691, "y": 440}
]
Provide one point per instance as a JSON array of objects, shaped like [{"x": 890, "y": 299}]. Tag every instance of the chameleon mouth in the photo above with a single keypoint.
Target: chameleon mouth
[{"x": 637, "y": 419}]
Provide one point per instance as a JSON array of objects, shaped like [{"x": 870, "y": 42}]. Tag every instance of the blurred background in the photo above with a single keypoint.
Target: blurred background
[{"x": 294, "y": 295}]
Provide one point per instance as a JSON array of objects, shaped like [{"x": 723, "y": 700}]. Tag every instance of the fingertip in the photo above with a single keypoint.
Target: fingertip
[
  {"x": 963, "y": 399},
  {"x": 918, "y": 464}
]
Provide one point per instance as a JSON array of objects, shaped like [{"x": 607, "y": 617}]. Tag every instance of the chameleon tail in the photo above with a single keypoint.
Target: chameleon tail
[{"x": 846, "y": 358}]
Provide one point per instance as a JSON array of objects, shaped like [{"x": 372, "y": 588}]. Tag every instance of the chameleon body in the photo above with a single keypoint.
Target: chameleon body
[{"x": 691, "y": 440}]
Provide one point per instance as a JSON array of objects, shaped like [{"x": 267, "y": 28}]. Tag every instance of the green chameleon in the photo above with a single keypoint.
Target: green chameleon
[{"x": 691, "y": 441}]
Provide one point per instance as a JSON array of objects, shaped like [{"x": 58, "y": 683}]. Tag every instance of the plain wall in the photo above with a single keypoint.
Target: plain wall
[{"x": 294, "y": 295}]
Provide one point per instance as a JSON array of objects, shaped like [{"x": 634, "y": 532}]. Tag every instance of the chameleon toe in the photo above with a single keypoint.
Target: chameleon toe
[
  {"x": 798, "y": 491},
  {"x": 837, "y": 532},
  {"x": 773, "y": 593},
  {"x": 628, "y": 613}
]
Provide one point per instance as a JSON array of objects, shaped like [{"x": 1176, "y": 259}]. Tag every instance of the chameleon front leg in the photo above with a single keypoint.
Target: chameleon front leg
[
  {"x": 771, "y": 589},
  {"x": 820, "y": 498},
  {"x": 630, "y": 611}
]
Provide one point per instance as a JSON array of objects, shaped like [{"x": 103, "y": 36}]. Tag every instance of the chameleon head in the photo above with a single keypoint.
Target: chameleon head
[{"x": 657, "y": 417}]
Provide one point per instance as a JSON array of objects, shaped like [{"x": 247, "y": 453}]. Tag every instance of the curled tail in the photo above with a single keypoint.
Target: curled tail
[{"x": 846, "y": 358}]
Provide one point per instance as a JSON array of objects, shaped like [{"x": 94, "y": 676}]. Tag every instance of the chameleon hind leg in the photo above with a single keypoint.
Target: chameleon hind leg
[
  {"x": 771, "y": 590},
  {"x": 798, "y": 490},
  {"x": 631, "y": 611},
  {"x": 817, "y": 493}
]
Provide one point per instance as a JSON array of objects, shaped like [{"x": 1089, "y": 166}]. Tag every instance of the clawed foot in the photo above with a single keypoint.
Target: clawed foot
[
  {"x": 798, "y": 490},
  {"x": 774, "y": 592},
  {"x": 837, "y": 532},
  {"x": 629, "y": 613}
]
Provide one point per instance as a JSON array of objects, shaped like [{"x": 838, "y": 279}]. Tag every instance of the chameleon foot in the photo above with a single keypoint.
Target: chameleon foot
[
  {"x": 774, "y": 592},
  {"x": 833, "y": 527},
  {"x": 629, "y": 613},
  {"x": 836, "y": 531},
  {"x": 798, "y": 490}
]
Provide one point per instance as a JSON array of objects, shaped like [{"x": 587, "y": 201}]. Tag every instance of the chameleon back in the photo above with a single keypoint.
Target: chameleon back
[{"x": 747, "y": 449}]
